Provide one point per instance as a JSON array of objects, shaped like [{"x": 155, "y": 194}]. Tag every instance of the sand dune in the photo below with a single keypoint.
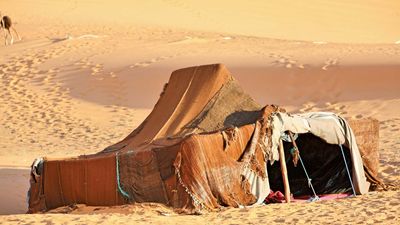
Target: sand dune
[
  {"x": 354, "y": 21},
  {"x": 86, "y": 73}
]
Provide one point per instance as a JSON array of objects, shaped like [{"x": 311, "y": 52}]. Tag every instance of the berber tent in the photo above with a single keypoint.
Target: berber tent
[{"x": 206, "y": 145}]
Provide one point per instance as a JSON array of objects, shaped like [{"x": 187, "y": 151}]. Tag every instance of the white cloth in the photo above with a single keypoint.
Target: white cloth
[{"x": 259, "y": 186}]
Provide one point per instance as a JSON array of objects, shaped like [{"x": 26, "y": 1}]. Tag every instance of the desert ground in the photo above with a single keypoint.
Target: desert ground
[{"x": 86, "y": 73}]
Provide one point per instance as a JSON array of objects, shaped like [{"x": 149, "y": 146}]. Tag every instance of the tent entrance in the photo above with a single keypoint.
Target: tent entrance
[{"x": 324, "y": 163}]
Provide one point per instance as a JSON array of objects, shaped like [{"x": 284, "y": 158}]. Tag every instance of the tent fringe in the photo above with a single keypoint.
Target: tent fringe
[{"x": 197, "y": 203}]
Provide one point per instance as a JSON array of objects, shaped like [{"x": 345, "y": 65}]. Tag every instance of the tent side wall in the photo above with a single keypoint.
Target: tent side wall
[
  {"x": 366, "y": 132},
  {"x": 84, "y": 180},
  {"x": 209, "y": 169},
  {"x": 207, "y": 163}
]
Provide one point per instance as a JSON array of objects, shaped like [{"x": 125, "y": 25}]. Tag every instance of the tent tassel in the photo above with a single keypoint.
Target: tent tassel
[
  {"x": 118, "y": 180},
  {"x": 348, "y": 171}
]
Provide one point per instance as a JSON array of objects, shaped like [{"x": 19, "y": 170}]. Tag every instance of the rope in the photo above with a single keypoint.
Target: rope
[
  {"x": 294, "y": 149},
  {"x": 118, "y": 179},
  {"x": 308, "y": 180},
  {"x": 348, "y": 171}
]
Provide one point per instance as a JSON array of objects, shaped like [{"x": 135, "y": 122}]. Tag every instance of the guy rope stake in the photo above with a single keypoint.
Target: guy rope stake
[{"x": 315, "y": 197}]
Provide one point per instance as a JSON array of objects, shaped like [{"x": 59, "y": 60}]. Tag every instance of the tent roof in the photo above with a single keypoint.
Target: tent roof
[{"x": 193, "y": 101}]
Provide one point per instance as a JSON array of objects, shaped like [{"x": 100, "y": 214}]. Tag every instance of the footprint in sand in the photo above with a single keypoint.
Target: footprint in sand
[
  {"x": 112, "y": 75},
  {"x": 150, "y": 62},
  {"x": 307, "y": 107},
  {"x": 286, "y": 62},
  {"x": 359, "y": 116},
  {"x": 96, "y": 69},
  {"x": 141, "y": 64},
  {"x": 330, "y": 62}
]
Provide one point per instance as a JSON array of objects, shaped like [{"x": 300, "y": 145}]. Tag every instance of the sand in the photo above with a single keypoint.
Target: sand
[
  {"x": 363, "y": 210},
  {"x": 86, "y": 73}
]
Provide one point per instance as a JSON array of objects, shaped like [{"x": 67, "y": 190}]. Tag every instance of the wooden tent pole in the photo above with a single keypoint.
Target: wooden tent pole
[{"x": 284, "y": 171}]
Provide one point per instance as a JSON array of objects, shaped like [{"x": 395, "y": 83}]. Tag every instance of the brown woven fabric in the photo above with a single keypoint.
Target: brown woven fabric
[
  {"x": 87, "y": 180},
  {"x": 140, "y": 176},
  {"x": 201, "y": 171},
  {"x": 367, "y": 137},
  {"x": 210, "y": 175}
]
